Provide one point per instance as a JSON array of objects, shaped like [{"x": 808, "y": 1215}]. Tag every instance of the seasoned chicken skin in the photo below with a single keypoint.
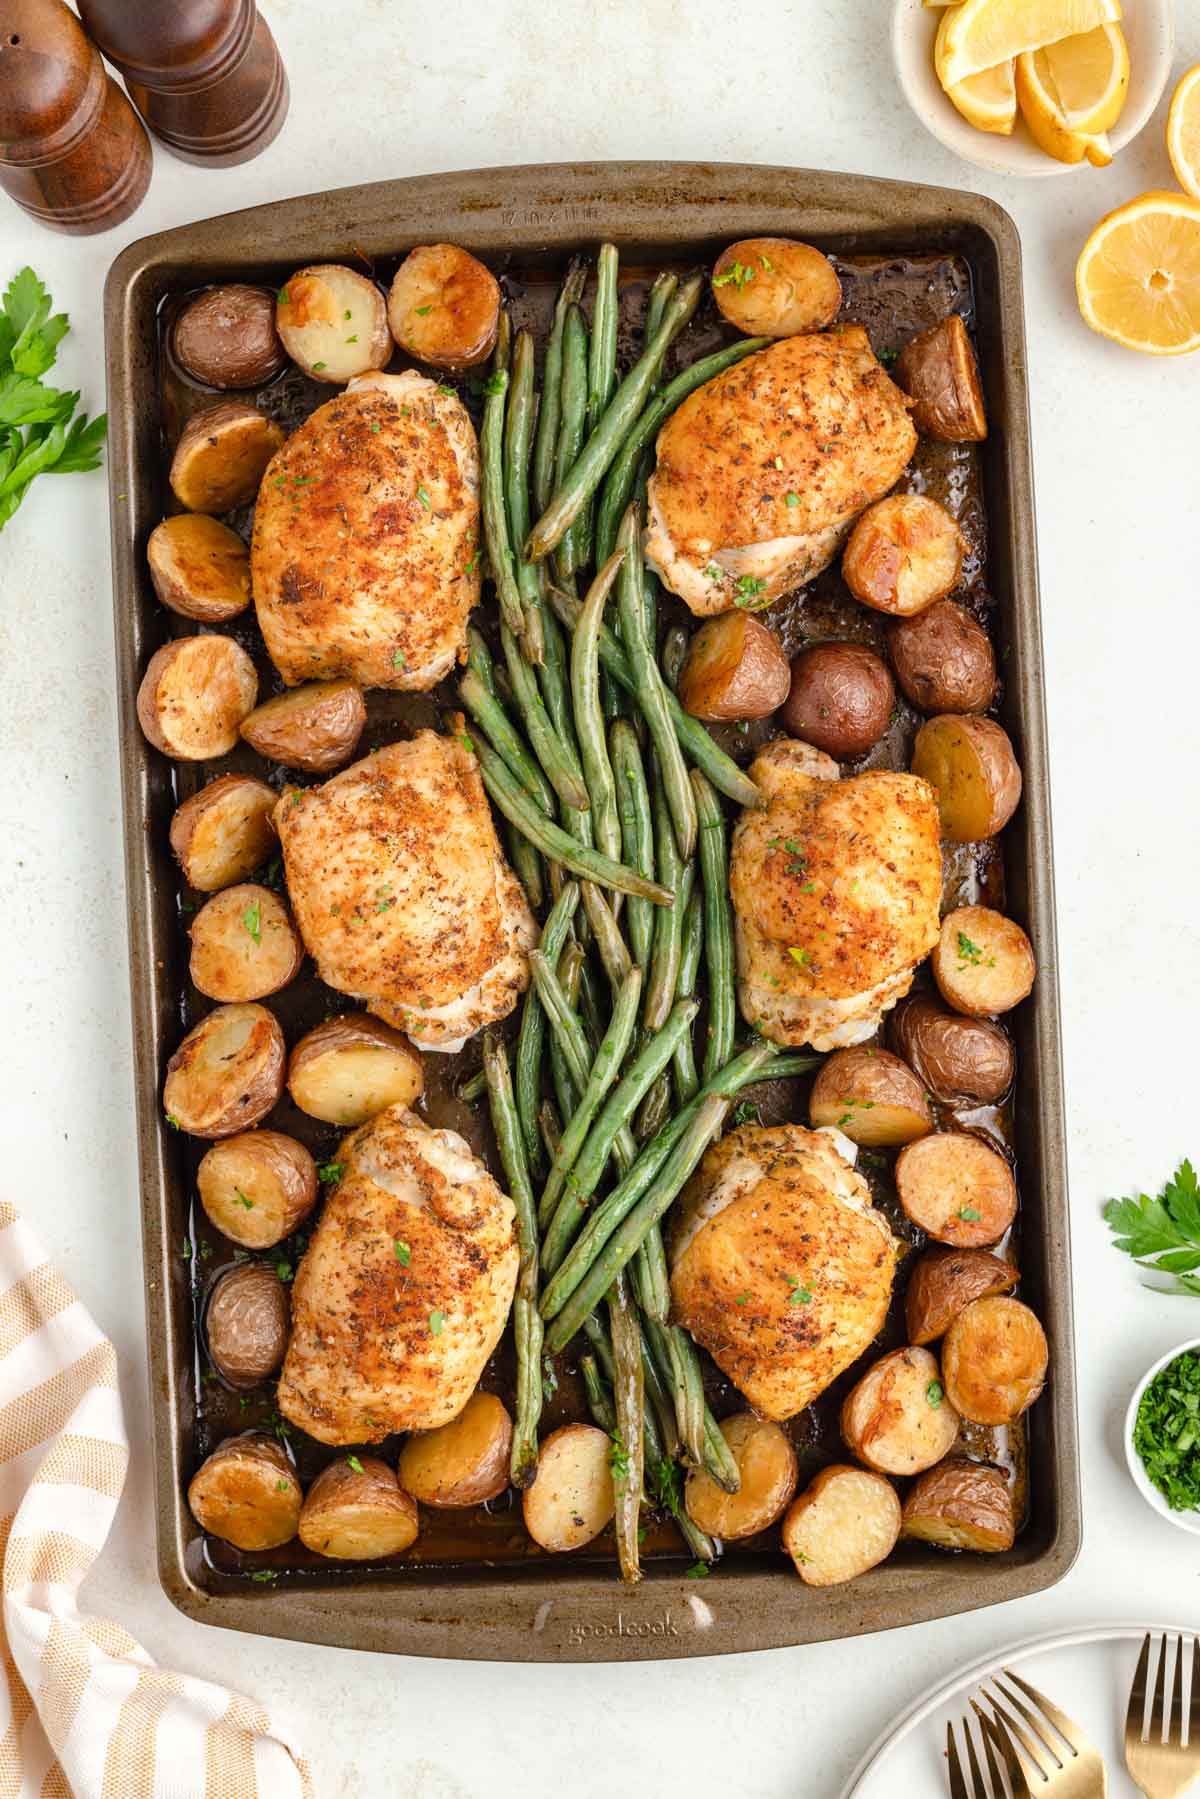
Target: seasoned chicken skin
[
  {"x": 401, "y": 892},
  {"x": 762, "y": 471},
  {"x": 836, "y": 886},
  {"x": 364, "y": 557},
  {"x": 781, "y": 1267},
  {"x": 405, "y": 1288}
]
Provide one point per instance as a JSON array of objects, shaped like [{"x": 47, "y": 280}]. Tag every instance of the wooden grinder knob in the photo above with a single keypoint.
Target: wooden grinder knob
[{"x": 73, "y": 152}]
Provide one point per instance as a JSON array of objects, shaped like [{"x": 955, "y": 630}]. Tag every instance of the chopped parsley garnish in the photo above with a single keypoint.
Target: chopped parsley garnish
[
  {"x": 282, "y": 297},
  {"x": 791, "y": 499},
  {"x": 467, "y": 742},
  {"x": 1163, "y": 1234},
  {"x": 422, "y": 310},
  {"x": 352, "y": 1461},
  {"x": 281, "y": 1486},
  {"x": 265, "y": 1574},
  {"x": 618, "y": 1458},
  {"x": 970, "y": 1215},
  {"x": 888, "y": 357},
  {"x": 666, "y": 1485},
  {"x": 699, "y": 1571},
  {"x": 383, "y": 898},
  {"x": 747, "y": 588},
  {"x": 472, "y": 565},
  {"x": 377, "y": 427},
  {"x": 803, "y": 956},
  {"x": 495, "y": 384},
  {"x": 1166, "y": 1432},
  {"x": 423, "y": 496},
  {"x": 767, "y": 264},
  {"x": 399, "y": 659},
  {"x": 969, "y": 952},
  {"x": 346, "y": 314},
  {"x": 403, "y": 1252},
  {"x": 436, "y": 1321},
  {"x": 246, "y": 1201},
  {"x": 743, "y": 1299},
  {"x": 284, "y": 1270},
  {"x": 737, "y": 272},
  {"x": 173, "y": 1122},
  {"x": 186, "y": 1251},
  {"x": 318, "y": 365},
  {"x": 330, "y": 1171},
  {"x": 252, "y": 919},
  {"x": 747, "y": 1113},
  {"x": 934, "y": 1393},
  {"x": 352, "y": 340},
  {"x": 800, "y": 1295},
  {"x": 715, "y": 572},
  {"x": 444, "y": 388}
]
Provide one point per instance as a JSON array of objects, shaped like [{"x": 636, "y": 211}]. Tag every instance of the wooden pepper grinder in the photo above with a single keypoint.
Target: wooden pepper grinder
[
  {"x": 72, "y": 150},
  {"x": 205, "y": 75}
]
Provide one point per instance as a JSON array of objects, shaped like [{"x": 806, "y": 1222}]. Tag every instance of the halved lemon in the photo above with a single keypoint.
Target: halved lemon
[
  {"x": 1183, "y": 132},
  {"x": 1138, "y": 277},
  {"x": 982, "y": 33},
  {"x": 989, "y": 100},
  {"x": 1071, "y": 92}
]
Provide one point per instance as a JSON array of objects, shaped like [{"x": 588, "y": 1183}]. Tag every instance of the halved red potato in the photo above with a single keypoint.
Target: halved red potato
[
  {"x": 847, "y": 1521},
  {"x": 938, "y": 369},
  {"x": 316, "y": 726},
  {"x": 897, "y": 1418},
  {"x": 871, "y": 1096},
  {"x": 247, "y": 1493},
  {"x": 333, "y": 322},
  {"x": 244, "y": 944},
  {"x": 959, "y": 1059},
  {"x": 571, "y": 1499},
  {"x": 227, "y": 1073},
  {"x": 944, "y": 1281},
  {"x": 961, "y": 1505},
  {"x": 194, "y": 694},
  {"x": 969, "y": 762},
  {"x": 776, "y": 287},
  {"x": 257, "y": 1187},
  {"x": 994, "y": 1360},
  {"x": 223, "y": 832},
  {"x": 349, "y": 1068},
  {"x": 221, "y": 456},
  {"x": 199, "y": 567},
  {"x": 734, "y": 668},
  {"x": 464, "y": 1462},
  {"x": 957, "y": 1189},
  {"x": 246, "y": 1323},
  {"x": 444, "y": 307},
  {"x": 356, "y": 1511},
  {"x": 904, "y": 553},
  {"x": 768, "y": 1468},
  {"x": 984, "y": 962}
]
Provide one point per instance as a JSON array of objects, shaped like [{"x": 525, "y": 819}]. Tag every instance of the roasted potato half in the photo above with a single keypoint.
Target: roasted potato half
[
  {"x": 904, "y": 553},
  {"x": 944, "y": 1281},
  {"x": 199, "y": 567},
  {"x": 768, "y": 1468},
  {"x": 734, "y": 668},
  {"x": 938, "y": 369},
  {"x": 840, "y": 698},
  {"x": 223, "y": 832},
  {"x": 246, "y": 1323},
  {"x": 776, "y": 287},
  {"x": 247, "y": 1493},
  {"x": 333, "y": 322},
  {"x": 943, "y": 659},
  {"x": 350, "y": 1068},
  {"x": 961, "y": 1505},
  {"x": 244, "y": 945},
  {"x": 461, "y": 1463},
  {"x": 221, "y": 456},
  {"x": 316, "y": 726},
  {"x": 227, "y": 1073},
  {"x": 984, "y": 962},
  {"x": 872, "y": 1097},
  {"x": 572, "y": 1499},
  {"x": 897, "y": 1418},
  {"x": 994, "y": 1359},
  {"x": 847, "y": 1521},
  {"x": 970, "y": 764},
  {"x": 194, "y": 694},
  {"x": 960, "y": 1060},
  {"x": 225, "y": 337},
  {"x": 957, "y": 1189},
  {"x": 444, "y": 307},
  {"x": 357, "y": 1511},
  {"x": 257, "y": 1187}
]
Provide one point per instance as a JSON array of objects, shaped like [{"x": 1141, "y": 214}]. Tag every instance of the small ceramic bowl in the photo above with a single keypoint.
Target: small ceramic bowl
[
  {"x": 1189, "y": 1521},
  {"x": 1149, "y": 27}
]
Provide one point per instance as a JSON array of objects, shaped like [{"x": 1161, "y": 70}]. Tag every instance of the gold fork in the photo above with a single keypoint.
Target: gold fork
[
  {"x": 1157, "y": 1759},
  {"x": 1045, "y": 1754}
]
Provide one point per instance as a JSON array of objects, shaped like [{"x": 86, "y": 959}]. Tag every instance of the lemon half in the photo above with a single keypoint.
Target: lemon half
[{"x": 1138, "y": 276}]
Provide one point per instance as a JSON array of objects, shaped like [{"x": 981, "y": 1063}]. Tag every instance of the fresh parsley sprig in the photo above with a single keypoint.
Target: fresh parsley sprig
[
  {"x": 1163, "y": 1234},
  {"x": 39, "y": 433}
]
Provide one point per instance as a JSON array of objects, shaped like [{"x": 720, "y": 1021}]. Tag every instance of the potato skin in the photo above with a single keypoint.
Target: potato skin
[
  {"x": 316, "y": 726},
  {"x": 776, "y": 287},
  {"x": 444, "y": 307},
  {"x": 994, "y": 1359},
  {"x": 225, "y": 337},
  {"x": 734, "y": 668},
  {"x": 845, "y": 1522},
  {"x": 896, "y": 1418},
  {"x": 358, "y": 1514},
  {"x": 957, "y": 1188},
  {"x": 958, "y": 1059},
  {"x": 194, "y": 694},
  {"x": 200, "y": 568},
  {"x": 969, "y": 762},
  {"x": 961, "y": 1505},
  {"x": 247, "y": 1493},
  {"x": 769, "y": 1469},
  {"x": 461, "y": 1463},
  {"x": 943, "y": 659},
  {"x": 944, "y": 1281},
  {"x": 221, "y": 455},
  {"x": 871, "y": 1096},
  {"x": 223, "y": 832},
  {"x": 244, "y": 945},
  {"x": 904, "y": 553},
  {"x": 938, "y": 369},
  {"x": 571, "y": 1499},
  {"x": 273, "y": 1171},
  {"x": 840, "y": 699},
  {"x": 227, "y": 1073},
  {"x": 246, "y": 1323},
  {"x": 397, "y": 1082},
  {"x": 983, "y": 962},
  {"x": 333, "y": 322}
]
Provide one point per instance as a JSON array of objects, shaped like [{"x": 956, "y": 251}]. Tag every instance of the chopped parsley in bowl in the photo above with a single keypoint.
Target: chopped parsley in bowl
[{"x": 1162, "y": 1436}]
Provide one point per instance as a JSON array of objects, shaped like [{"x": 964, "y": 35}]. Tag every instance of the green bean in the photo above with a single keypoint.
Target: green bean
[
  {"x": 650, "y": 688},
  {"x": 607, "y": 933},
  {"x": 589, "y": 716},
  {"x": 688, "y": 1389},
  {"x": 717, "y": 1457},
  {"x": 557, "y": 762},
  {"x": 491, "y": 455},
  {"x": 622, "y": 477},
  {"x": 545, "y": 447},
  {"x": 668, "y": 924},
  {"x": 603, "y": 1073},
  {"x": 532, "y": 1034},
  {"x": 527, "y": 866},
  {"x": 553, "y": 679},
  {"x": 599, "y": 1395},
  {"x": 718, "y": 927},
  {"x": 597, "y": 1336},
  {"x": 572, "y": 432},
  {"x": 602, "y": 362},
  {"x": 577, "y": 484},
  {"x": 660, "y": 1399},
  {"x": 660, "y": 296},
  {"x": 490, "y": 715},
  {"x": 473, "y": 1089},
  {"x": 529, "y": 1329},
  {"x": 637, "y": 830},
  {"x": 655, "y": 1111},
  {"x": 550, "y": 1127},
  {"x": 686, "y": 1079},
  {"x": 628, "y": 1459},
  {"x": 518, "y": 437},
  {"x": 516, "y": 805},
  {"x": 674, "y": 649},
  {"x": 479, "y": 659},
  {"x": 650, "y": 1272},
  {"x": 570, "y": 1055}
]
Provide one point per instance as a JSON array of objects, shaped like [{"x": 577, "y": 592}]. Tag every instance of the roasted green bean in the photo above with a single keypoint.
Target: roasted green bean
[
  {"x": 718, "y": 927},
  {"x": 652, "y": 693},
  {"x": 529, "y": 1329},
  {"x": 686, "y": 1079},
  {"x": 628, "y": 1457},
  {"x": 601, "y": 1076},
  {"x": 491, "y": 456},
  {"x": 518, "y": 437},
  {"x": 490, "y": 715},
  {"x": 532, "y": 1034},
  {"x": 556, "y": 759},
  {"x": 602, "y": 361},
  {"x": 545, "y": 449},
  {"x": 572, "y": 432},
  {"x": 589, "y": 716},
  {"x": 637, "y": 830}
]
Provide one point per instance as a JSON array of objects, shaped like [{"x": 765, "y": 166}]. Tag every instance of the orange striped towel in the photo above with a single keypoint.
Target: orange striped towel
[{"x": 85, "y": 1710}]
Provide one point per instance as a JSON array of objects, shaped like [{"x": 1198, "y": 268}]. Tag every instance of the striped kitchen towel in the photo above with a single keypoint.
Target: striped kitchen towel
[{"x": 86, "y": 1711}]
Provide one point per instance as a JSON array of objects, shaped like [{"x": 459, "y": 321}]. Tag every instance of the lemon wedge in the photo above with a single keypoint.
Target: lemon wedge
[
  {"x": 1183, "y": 132},
  {"x": 980, "y": 34},
  {"x": 1071, "y": 92},
  {"x": 1138, "y": 276}
]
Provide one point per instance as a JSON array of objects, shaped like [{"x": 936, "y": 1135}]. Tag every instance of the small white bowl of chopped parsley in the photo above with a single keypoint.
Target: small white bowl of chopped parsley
[{"x": 1162, "y": 1436}]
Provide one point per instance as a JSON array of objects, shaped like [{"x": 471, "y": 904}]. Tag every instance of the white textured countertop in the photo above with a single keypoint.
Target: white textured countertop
[{"x": 377, "y": 91}]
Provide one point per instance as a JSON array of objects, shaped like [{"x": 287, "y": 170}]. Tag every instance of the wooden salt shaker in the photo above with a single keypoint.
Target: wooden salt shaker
[
  {"x": 205, "y": 75},
  {"x": 73, "y": 152}
]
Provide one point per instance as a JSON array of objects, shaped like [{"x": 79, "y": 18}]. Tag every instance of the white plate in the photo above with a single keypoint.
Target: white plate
[{"x": 1087, "y": 1672}]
